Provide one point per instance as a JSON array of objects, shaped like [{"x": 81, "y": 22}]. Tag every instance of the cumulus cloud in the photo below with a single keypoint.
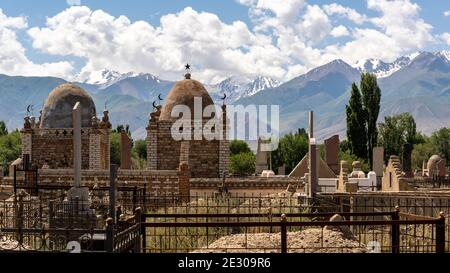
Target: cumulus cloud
[
  {"x": 315, "y": 24},
  {"x": 73, "y": 2},
  {"x": 286, "y": 38},
  {"x": 447, "y": 13},
  {"x": 445, "y": 37},
  {"x": 400, "y": 20},
  {"x": 339, "y": 31},
  {"x": 346, "y": 12},
  {"x": 13, "y": 60},
  {"x": 216, "y": 49}
]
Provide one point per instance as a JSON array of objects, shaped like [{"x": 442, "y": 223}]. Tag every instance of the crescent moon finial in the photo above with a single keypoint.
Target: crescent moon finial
[
  {"x": 224, "y": 96},
  {"x": 159, "y": 97},
  {"x": 154, "y": 106}
]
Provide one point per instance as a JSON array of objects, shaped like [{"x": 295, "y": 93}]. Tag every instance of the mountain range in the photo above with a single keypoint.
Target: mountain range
[{"x": 418, "y": 83}]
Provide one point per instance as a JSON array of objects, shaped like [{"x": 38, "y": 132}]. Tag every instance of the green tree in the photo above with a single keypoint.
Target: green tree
[
  {"x": 242, "y": 163},
  {"x": 422, "y": 152},
  {"x": 292, "y": 148},
  {"x": 441, "y": 142},
  {"x": 239, "y": 146},
  {"x": 371, "y": 96},
  {"x": 140, "y": 148},
  {"x": 356, "y": 124},
  {"x": 3, "y": 130},
  {"x": 348, "y": 156},
  {"x": 397, "y": 130},
  {"x": 10, "y": 149}
]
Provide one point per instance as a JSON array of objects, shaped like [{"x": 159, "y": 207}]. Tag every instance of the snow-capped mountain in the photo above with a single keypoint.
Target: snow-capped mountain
[
  {"x": 237, "y": 87},
  {"x": 382, "y": 69},
  {"x": 105, "y": 78},
  {"x": 445, "y": 54}
]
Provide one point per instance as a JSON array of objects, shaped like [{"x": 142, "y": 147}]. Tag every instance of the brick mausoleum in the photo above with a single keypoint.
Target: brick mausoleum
[{"x": 206, "y": 158}]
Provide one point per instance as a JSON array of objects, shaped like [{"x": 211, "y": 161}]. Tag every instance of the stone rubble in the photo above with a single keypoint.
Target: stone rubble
[{"x": 312, "y": 240}]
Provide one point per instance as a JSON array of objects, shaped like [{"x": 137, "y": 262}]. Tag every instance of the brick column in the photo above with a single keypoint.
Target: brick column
[
  {"x": 183, "y": 181},
  {"x": 27, "y": 140},
  {"x": 224, "y": 144},
  {"x": 152, "y": 146},
  {"x": 95, "y": 150},
  {"x": 184, "y": 152}
]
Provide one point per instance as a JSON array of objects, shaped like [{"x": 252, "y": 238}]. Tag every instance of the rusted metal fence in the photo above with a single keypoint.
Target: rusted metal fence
[{"x": 281, "y": 232}]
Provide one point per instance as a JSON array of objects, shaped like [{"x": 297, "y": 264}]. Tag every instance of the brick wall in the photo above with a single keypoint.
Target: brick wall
[
  {"x": 94, "y": 151},
  {"x": 56, "y": 148},
  {"x": 157, "y": 183}
]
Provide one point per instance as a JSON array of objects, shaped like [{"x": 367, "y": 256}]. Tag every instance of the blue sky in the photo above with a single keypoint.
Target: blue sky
[{"x": 281, "y": 39}]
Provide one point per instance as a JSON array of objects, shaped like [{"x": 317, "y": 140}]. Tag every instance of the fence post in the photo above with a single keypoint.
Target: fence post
[
  {"x": 144, "y": 237},
  {"x": 440, "y": 233},
  {"x": 15, "y": 179},
  {"x": 395, "y": 232},
  {"x": 283, "y": 225},
  {"x": 137, "y": 219},
  {"x": 109, "y": 243}
]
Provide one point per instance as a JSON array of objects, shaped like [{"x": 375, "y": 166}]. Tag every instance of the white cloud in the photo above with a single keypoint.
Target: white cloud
[
  {"x": 400, "y": 20},
  {"x": 215, "y": 49},
  {"x": 346, "y": 12},
  {"x": 447, "y": 13},
  {"x": 287, "y": 38},
  {"x": 315, "y": 24},
  {"x": 339, "y": 31},
  {"x": 73, "y": 2},
  {"x": 366, "y": 43},
  {"x": 445, "y": 37},
  {"x": 13, "y": 60}
]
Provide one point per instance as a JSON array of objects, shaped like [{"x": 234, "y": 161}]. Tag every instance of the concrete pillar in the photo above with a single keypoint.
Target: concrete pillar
[{"x": 311, "y": 124}]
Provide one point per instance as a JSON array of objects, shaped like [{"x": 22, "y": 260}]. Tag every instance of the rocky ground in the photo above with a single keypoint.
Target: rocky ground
[
  {"x": 10, "y": 244},
  {"x": 330, "y": 239},
  {"x": 307, "y": 241}
]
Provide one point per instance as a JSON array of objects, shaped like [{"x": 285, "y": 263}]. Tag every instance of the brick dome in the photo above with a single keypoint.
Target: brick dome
[
  {"x": 57, "y": 112},
  {"x": 183, "y": 93}
]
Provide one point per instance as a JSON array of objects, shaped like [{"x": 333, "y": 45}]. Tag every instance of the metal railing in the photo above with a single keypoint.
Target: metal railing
[{"x": 201, "y": 232}]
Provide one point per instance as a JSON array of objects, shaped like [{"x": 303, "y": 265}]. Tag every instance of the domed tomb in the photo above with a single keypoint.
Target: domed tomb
[
  {"x": 184, "y": 93},
  {"x": 57, "y": 112},
  {"x": 432, "y": 163}
]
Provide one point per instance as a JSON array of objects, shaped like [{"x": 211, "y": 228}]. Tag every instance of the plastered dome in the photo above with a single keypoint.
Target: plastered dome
[
  {"x": 183, "y": 93},
  {"x": 57, "y": 112}
]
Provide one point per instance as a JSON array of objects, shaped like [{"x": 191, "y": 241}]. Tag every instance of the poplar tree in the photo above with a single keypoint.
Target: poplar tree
[{"x": 356, "y": 124}]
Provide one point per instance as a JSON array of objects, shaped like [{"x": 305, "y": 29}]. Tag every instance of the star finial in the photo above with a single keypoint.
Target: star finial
[{"x": 188, "y": 69}]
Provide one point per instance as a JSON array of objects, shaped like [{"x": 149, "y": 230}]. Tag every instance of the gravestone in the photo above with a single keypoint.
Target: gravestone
[
  {"x": 126, "y": 144},
  {"x": 332, "y": 153},
  {"x": 406, "y": 160},
  {"x": 441, "y": 168},
  {"x": 282, "y": 170},
  {"x": 77, "y": 191},
  {"x": 378, "y": 160},
  {"x": 261, "y": 159}
]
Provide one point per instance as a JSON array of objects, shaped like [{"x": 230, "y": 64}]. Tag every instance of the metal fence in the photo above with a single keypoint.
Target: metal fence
[{"x": 298, "y": 232}]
